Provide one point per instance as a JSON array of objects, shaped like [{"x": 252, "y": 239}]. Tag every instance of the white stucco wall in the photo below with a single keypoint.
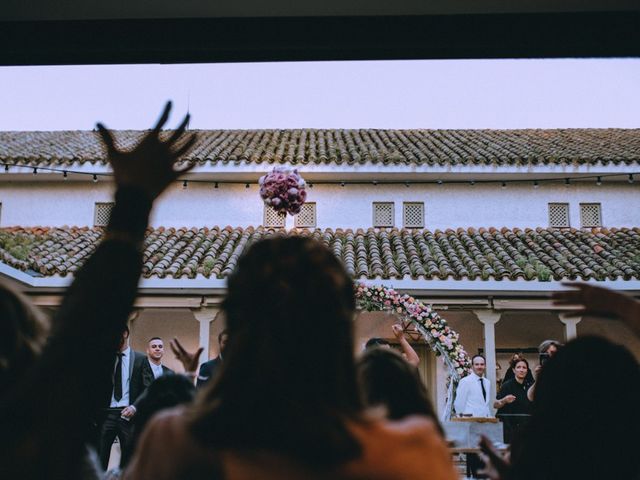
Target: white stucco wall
[{"x": 447, "y": 206}]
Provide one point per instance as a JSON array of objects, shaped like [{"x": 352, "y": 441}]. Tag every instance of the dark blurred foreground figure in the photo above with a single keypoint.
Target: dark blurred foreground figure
[
  {"x": 388, "y": 380},
  {"x": 49, "y": 394},
  {"x": 286, "y": 402},
  {"x": 576, "y": 431}
]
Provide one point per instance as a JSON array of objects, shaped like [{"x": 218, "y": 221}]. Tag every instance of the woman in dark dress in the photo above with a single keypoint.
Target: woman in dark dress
[{"x": 512, "y": 402}]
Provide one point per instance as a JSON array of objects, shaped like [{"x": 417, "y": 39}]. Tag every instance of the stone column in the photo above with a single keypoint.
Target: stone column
[
  {"x": 570, "y": 326},
  {"x": 205, "y": 316},
  {"x": 489, "y": 318}
]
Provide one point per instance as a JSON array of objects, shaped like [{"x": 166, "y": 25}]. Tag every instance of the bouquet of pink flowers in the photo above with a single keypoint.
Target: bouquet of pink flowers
[{"x": 284, "y": 190}]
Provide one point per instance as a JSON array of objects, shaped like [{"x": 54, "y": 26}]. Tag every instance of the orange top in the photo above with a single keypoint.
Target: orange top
[{"x": 404, "y": 450}]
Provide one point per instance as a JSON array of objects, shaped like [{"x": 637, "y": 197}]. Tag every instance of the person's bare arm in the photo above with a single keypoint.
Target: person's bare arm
[
  {"x": 409, "y": 353},
  {"x": 601, "y": 302},
  {"x": 77, "y": 362}
]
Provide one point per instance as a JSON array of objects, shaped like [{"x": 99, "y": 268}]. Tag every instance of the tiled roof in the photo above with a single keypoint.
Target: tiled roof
[
  {"x": 542, "y": 254},
  {"x": 350, "y": 147}
]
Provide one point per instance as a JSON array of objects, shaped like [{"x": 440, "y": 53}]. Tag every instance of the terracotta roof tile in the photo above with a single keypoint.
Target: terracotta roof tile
[
  {"x": 530, "y": 254},
  {"x": 350, "y": 147}
]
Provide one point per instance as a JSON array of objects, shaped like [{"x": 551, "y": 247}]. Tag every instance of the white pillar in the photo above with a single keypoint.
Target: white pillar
[
  {"x": 205, "y": 316},
  {"x": 570, "y": 326},
  {"x": 489, "y": 318}
]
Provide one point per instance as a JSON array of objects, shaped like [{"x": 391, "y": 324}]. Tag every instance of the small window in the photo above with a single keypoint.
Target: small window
[
  {"x": 590, "y": 215},
  {"x": 383, "y": 214},
  {"x": 559, "y": 215},
  {"x": 307, "y": 216},
  {"x": 102, "y": 213},
  {"x": 413, "y": 213},
  {"x": 273, "y": 218}
]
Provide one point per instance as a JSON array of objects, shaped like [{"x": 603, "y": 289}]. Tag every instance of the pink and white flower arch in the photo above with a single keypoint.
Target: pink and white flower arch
[{"x": 432, "y": 327}]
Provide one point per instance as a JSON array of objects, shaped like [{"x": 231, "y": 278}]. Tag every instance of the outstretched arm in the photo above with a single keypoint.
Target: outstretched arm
[
  {"x": 408, "y": 351},
  {"x": 601, "y": 302},
  {"x": 76, "y": 365}
]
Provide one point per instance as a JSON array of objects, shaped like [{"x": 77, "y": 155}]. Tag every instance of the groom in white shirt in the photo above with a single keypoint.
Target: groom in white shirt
[{"x": 473, "y": 395}]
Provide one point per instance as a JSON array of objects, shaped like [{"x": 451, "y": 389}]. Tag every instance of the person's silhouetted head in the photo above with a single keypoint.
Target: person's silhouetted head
[
  {"x": 388, "y": 380},
  {"x": 165, "y": 392},
  {"x": 376, "y": 342},
  {"x": 23, "y": 333},
  {"x": 583, "y": 422},
  {"x": 278, "y": 390}
]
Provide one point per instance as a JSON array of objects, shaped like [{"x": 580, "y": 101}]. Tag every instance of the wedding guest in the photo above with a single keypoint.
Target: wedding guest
[
  {"x": 387, "y": 380},
  {"x": 512, "y": 402},
  {"x": 547, "y": 349},
  {"x": 575, "y": 430},
  {"x": 508, "y": 375},
  {"x": 408, "y": 352},
  {"x": 473, "y": 395},
  {"x": 209, "y": 370},
  {"x": 53, "y": 391},
  {"x": 155, "y": 352},
  {"x": 284, "y": 406}
]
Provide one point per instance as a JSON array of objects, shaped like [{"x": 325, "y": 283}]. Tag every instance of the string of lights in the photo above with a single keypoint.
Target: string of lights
[{"x": 503, "y": 183}]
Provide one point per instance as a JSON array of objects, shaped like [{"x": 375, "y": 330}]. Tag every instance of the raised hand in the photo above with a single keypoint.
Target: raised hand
[
  {"x": 592, "y": 300},
  {"x": 398, "y": 331},
  {"x": 601, "y": 302},
  {"x": 150, "y": 164},
  {"x": 189, "y": 360}
]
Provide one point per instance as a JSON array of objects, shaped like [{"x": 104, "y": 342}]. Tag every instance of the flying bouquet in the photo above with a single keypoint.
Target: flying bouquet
[{"x": 283, "y": 189}]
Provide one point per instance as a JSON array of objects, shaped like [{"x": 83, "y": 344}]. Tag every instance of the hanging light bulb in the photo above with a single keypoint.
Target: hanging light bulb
[
  {"x": 630, "y": 178},
  {"x": 472, "y": 183},
  {"x": 95, "y": 178},
  {"x": 504, "y": 185},
  {"x": 184, "y": 184},
  {"x": 342, "y": 184},
  {"x": 246, "y": 186},
  {"x": 599, "y": 181},
  {"x": 65, "y": 176},
  {"x": 439, "y": 182},
  {"x": 215, "y": 185},
  {"x": 35, "y": 171},
  {"x": 535, "y": 184},
  {"x": 406, "y": 184},
  {"x": 567, "y": 182},
  {"x": 6, "y": 168}
]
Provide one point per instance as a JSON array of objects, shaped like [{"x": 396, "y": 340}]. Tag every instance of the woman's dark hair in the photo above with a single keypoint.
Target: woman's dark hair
[
  {"x": 23, "y": 333},
  {"x": 388, "y": 380},
  {"x": 288, "y": 381},
  {"x": 376, "y": 342},
  {"x": 578, "y": 429},
  {"x": 165, "y": 392}
]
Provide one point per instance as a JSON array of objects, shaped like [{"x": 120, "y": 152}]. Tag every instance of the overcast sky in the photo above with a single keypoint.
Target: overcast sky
[{"x": 381, "y": 94}]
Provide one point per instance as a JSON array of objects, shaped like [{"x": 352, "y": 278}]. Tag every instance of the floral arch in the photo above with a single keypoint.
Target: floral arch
[{"x": 432, "y": 328}]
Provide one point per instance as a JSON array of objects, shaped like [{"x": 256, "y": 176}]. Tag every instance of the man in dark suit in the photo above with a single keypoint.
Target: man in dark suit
[
  {"x": 209, "y": 370},
  {"x": 154, "y": 368},
  {"x": 129, "y": 382}
]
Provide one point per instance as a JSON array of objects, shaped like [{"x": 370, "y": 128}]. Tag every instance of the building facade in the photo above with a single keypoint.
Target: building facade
[{"x": 483, "y": 224}]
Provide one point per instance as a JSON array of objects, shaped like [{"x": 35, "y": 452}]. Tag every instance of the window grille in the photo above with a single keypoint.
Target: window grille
[
  {"x": 590, "y": 215},
  {"x": 559, "y": 215},
  {"x": 102, "y": 213},
  {"x": 273, "y": 218},
  {"x": 383, "y": 214},
  {"x": 307, "y": 216},
  {"x": 413, "y": 213}
]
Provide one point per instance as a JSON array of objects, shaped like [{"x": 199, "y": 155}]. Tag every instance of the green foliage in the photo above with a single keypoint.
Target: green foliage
[
  {"x": 207, "y": 266},
  {"x": 18, "y": 245}
]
